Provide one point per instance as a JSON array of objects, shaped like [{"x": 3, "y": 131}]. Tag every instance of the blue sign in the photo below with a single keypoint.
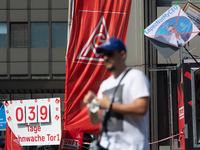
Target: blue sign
[
  {"x": 183, "y": 26},
  {"x": 171, "y": 31},
  {"x": 2, "y": 117}
]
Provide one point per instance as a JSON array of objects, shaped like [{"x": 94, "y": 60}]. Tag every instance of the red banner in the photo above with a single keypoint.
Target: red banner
[
  {"x": 11, "y": 140},
  {"x": 71, "y": 140},
  {"x": 181, "y": 112},
  {"x": 94, "y": 21}
]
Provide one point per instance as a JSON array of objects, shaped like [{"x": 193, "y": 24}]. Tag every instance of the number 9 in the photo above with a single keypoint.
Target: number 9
[{"x": 43, "y": 113}]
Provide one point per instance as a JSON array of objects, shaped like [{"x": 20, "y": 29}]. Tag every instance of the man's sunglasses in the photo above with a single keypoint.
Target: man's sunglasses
[{"x": 107, "y": 53}]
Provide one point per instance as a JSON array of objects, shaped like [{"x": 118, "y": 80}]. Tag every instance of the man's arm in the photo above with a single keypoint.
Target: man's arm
[
  {"x": 138, "y": 107},
  {"x": 97, "y": 117}
]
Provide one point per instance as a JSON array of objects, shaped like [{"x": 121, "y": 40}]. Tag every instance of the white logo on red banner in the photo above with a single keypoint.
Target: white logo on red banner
[
  {"x": 181, "y": 113},
  {"x": 71, "y": 144},
  {"x": 16, "y": 141},
  {"x": 78, "y": 136},
  {"x": 92, "y": 41},
  {"x": 71, "y": 140}
]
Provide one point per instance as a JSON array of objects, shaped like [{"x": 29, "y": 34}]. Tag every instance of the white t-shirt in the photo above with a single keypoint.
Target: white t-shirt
[{"x": 126, "y": 132}]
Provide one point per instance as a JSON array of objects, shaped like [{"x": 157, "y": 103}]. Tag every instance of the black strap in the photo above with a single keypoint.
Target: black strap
[{"x": 107, "y": 115}]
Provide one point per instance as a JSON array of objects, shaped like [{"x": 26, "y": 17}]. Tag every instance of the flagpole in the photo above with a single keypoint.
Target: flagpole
[{"x": 69, "y": 24}]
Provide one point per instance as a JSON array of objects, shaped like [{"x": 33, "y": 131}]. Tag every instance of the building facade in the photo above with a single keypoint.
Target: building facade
[
  {"x": 144, "y": 56},
  {"x": 33, "y": 41}
]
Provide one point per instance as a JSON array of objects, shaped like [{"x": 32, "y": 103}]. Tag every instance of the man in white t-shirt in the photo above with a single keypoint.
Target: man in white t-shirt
[{"x": 128, "y": 124}]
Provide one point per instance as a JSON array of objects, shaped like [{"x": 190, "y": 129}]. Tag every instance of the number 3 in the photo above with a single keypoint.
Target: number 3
[{"x": 31, "y": 112}]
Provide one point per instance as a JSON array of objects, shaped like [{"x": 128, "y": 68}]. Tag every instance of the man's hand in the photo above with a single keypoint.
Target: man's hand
[
  {"x": 88, "y": 97},
  {"x": 95, "y": 117},
  {"x": 104, "y": 103}
]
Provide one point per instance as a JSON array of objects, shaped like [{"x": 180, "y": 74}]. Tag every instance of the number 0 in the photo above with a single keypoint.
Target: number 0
[{"x": 17, "y": 115}]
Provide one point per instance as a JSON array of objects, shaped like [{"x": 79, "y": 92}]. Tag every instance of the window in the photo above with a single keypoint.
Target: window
[
  {"x": 59, "y": 34},
  {"x": 39, "y": 35},
  {"x": 41, "y": 95},
  {"x": 19, "y": 35},
  {"x": 40, "y": 76},
  {"x": 3, "y": 35},
  {"x": 20, "y": 96},
  {"x": 4, "y": 97},
  {"x": 195, "y": 90}
]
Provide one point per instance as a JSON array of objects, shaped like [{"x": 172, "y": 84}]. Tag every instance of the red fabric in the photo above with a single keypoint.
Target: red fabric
[
  {"x": 181, "y": 114},
  {"x": 190, "y": 102},
  {"x": 11, "y": 140},
  {"x": 188, "y": 75},
  {"x": 93, "y": 22},
  {"x": 71, "y": 140}
]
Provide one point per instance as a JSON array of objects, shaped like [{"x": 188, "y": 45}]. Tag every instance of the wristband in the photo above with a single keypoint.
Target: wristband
[{"x": 93, "y": 106}]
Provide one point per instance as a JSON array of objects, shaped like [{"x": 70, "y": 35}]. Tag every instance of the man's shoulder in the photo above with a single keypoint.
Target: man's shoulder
[
  {"x": 107, "y": 83},
  {"x": 135, "y": 72},
  {"x": 108, "y": 79},
  {"x": 136, "y": 75}
]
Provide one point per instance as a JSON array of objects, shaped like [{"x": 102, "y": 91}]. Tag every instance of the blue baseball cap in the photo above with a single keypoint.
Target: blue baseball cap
[{"x": 112, "y": 45}]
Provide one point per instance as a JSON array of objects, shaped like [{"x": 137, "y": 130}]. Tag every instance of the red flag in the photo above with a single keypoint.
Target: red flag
[
  {"x": 71, "y": 140},
  {"x": 11, "y": 140},
  {"x": 94, "y": 21}
]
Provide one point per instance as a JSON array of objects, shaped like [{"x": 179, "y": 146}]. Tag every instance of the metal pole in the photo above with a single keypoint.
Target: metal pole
[
  {"x": 69, "y": 23},
  {"x": 169, "y": 85},
  {"x": 170, "y": 109},
  {"x": 193, "y": 108},
  {"x": 180, "y": 55},
  {"x": 191, "y": 55}
]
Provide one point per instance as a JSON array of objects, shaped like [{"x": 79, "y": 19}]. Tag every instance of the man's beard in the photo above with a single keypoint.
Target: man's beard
[{"x": 111, "y": 69}]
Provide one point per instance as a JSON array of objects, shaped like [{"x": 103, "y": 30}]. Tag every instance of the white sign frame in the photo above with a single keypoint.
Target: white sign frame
[{"x": 36, "y": 133}]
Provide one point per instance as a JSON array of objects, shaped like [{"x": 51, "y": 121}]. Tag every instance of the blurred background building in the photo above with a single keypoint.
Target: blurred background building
[{"x": 33, "y": 41}]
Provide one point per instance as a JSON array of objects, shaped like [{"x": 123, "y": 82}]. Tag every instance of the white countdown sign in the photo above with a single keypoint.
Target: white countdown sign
[{"x": 35, "y": 121}]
